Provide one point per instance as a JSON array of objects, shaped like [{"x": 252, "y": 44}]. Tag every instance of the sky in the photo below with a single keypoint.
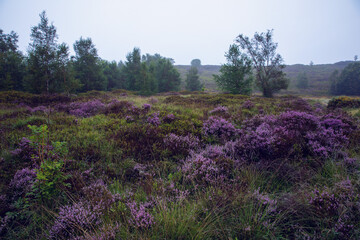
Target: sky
[{"x": 321, "y": 31}]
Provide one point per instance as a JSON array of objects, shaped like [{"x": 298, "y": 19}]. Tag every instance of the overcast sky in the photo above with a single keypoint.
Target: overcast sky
[{"x": 322, "y": 31}]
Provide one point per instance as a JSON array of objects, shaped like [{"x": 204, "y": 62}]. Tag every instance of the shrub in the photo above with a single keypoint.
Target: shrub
[
  {"x": 154, "y": 119},
  {"x": 25, "y": 151},
  {"x": 22, "y": 182},
  {"x": 270, "y": 137},
  {"x": 99, "y": 197},
  {"x": 208, "y": 168},
  {"x": 344, "y": 102},
  {"x": 219, "y": 128},
  {"x": 219, "y": 110},
  {"x": 144, "y": 142},
  {"x": 139, "y": 217},
  {"x": 74, "y": 220},
  {"x": 181, "y": 145},
  {"x": 248, "y": 104},
  {"x": 169, "y": 118},
  {"x": 86, "y": 109},
  {"x": 118, "y": 107}
]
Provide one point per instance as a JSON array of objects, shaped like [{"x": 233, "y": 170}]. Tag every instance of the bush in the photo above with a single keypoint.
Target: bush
[
  {"x": 344, "y": 102},
  {"x": 219, "y": 128}
]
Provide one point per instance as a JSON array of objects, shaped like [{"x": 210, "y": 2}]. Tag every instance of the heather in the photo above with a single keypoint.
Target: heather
[{"x": 108, "y": 165}]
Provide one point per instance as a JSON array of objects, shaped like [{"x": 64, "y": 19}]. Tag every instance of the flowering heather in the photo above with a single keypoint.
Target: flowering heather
[
  {"x": 74, "y": 220},
  {"x": 181, "y": 144},
  {"x": 324, "y": 202},
  {"x": 153, "y": 100},
  {"x": 351, "y": 161},
  {"x": 298, "y": 122},
  {"x": 99, "y": 197},
  {"x": 116, "y": 107},
  {"x": 22, "y": 181},
  {"x": 3, "y": 224},
  {"x": 248, "y": 104},
  {"x": 219, "y": 110},
  {"x": 266, "y": 201},
  {"x": 139, "y": 217},
  {"x": 154, "y": 119},
  {"x": 213, "y": 152},
  {"x": 25, "y": 150},
  {"x": 175, "y": 193},
  {"x": 168, "y": 118},
  {"x": 274, "y": 136},
  {"x": 134, "y": 110},
  {"x": 129, "y": 119},
  {"x": 39, "y": 109},
  {"x": 200, "y": 169},
  {"x": 219, "y": 128},
  {"x": 146, "y": 107},
  {"x": 86, "y": 109},
  {"x": 343, "y": 227}
]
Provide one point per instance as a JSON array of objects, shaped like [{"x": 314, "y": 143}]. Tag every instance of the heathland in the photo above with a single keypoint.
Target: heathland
[{"x": 180, "y": 165}]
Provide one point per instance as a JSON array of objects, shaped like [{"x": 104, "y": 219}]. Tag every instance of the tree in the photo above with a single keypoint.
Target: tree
[
  {"x": 12, "y": 66},
  {"x": 113, "y": 74},
  {"x": 192, "y": 80},
  {"x": 196, "y": 63},
  {"x": 65, "y": 71},
  {"x": 42, "y": 57},
  {"x": 355, "y": 58},
  {"x": 334, "y": 77},
  {"x": 268, "y": 64},
  {"x": 167, "y": 76},
  {"x": 302, "y": 81},
  {"x": 235, "y": 76},
  {"x": 148, "y": 84},
  {"x": 348, "y": 81},
  {"x": 88, "y": 67},
  {"x": 132, "y": 70}
]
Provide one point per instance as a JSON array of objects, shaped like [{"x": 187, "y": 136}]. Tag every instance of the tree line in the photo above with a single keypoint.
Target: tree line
[{"x": 49, "y": 68}]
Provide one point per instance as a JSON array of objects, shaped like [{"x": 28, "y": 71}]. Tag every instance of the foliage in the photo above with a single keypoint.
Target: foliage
[
  {"x": 192, "y": 80},
  {"x": 268, "y": 64},
  {"x": 347, "y": 82},
  {"x": 195, "y": 63},
  {"x": 88, "y": 67},
  {"x": 166, "y": 74},
  {"x": 235, "y": 76},
  {"x": 48, "y": 64},
  {"x": 12, "y": 67},
  {"x": 219, "y": 128},
  {"x": 200, "y": 166},
  {"x": 344, "y": 102},
  {"x": 302, "y": 81}
]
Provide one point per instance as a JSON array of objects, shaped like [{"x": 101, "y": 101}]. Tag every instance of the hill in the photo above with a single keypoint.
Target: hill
[{"x": 318, "y": 76}]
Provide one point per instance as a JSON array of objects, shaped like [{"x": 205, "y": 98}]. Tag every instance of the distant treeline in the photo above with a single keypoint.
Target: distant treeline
[{"x": 49, "y": 68}]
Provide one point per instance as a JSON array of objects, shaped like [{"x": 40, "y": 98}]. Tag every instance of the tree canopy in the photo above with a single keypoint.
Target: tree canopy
[
  {"x": 88, "y": 66},
  {"x": 195, "y": 63},
  {"x": 267, "y": 63},
  {"x": 192, "y": 80},
  {"x": 236, "y": 75},
  {"x": 347, "y": 82},
  {"x": 12, "y": 65}
]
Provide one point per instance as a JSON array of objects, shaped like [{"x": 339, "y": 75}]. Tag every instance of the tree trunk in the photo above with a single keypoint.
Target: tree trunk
[{"x": 267, "y": 92}]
